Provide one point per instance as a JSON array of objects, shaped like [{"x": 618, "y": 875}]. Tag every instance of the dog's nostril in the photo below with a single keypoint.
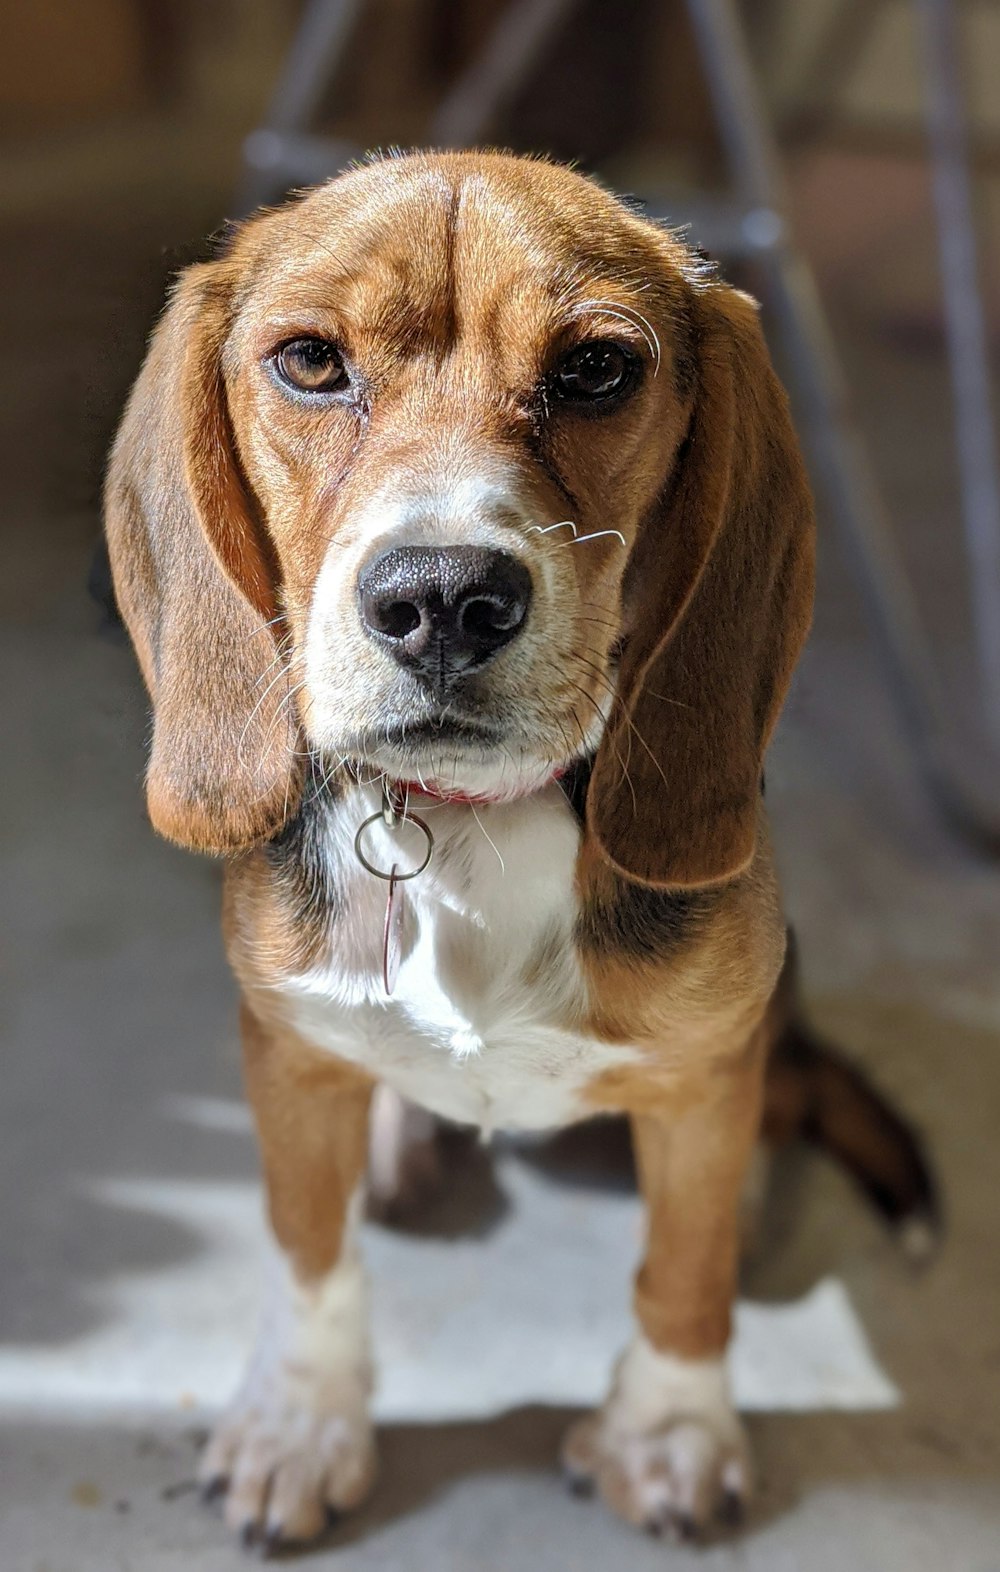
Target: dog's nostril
[
  {"x": 443, "y": 611},
  {"x": 482, "y": 617},
  {"x": 398, "y": 619}
]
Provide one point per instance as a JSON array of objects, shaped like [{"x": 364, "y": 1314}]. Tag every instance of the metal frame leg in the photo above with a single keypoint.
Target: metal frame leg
[
  {"x": 519, "y": 35},
  {"x": 969, "y": 797},
  {"x": 965, "y": 326},
  {"x": 842, "y": 38},
  {"x": 281, "y": 150}
]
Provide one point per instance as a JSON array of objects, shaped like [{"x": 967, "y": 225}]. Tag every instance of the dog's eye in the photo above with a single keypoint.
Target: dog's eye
[
  {"x": 595, "y": 371},
  {"x": 313, "y": 365}
]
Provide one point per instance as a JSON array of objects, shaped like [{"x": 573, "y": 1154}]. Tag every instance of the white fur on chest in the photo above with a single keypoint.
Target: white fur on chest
[{"x": 480, "y": 1026}]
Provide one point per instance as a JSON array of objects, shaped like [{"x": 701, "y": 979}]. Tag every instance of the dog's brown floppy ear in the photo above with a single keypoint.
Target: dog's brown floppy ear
[
  {"x": 195, "y": 587},
  {"x": 718, "y": 599}
]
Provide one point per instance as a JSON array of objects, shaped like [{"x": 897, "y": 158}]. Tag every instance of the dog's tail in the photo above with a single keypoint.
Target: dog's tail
[{"x": 814, "y": 1093}]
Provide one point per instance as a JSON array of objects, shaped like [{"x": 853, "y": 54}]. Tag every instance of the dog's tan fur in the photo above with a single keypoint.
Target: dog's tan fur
[{"x": 455, "y": 281}]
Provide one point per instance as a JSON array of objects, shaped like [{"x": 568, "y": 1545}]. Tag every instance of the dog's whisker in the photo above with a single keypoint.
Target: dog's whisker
[
  {"x": 328, "y": 775},
  {"x": 598, "y": 671},
  {"x": 633, "y": 728},
  {"x": 503, "y": 866},
  {"x": 563, "y": 524},
  {"x": 574, "y": 717},
  {"x": 665, "y": 699},
  {"x": 601, "y": 622},
  {"x": 280, "y": 713},
  {"x": 566, "y": 742},
  {"x": 596, "y": 534},
  {"x": 263, "y": 627},
  {"x": 644, "y": 744},
  {"x": 254, "y": 712},
  {"x": 281, "y": 654},
  {"x": 623, "y": 763}
]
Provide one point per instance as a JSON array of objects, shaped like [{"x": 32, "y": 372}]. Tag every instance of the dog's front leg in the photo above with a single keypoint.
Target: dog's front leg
[
  {"x": 667, "y": 1450},
  {"x": 295, "y": 1445}
]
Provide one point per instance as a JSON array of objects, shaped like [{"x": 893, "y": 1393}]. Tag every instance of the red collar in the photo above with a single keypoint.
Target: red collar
[{"x": 406, "y": 790}]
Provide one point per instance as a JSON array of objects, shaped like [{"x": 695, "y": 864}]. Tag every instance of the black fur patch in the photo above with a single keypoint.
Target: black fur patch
[
  {"x": 635, "y": 920},
  {"x": 574, "y": 785},
  {"x": 643, "y": 923},
  {"x": 297, "y": 857}
]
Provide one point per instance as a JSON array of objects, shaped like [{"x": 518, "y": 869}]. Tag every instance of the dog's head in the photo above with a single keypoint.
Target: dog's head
[{"x": 458, "y": 470}]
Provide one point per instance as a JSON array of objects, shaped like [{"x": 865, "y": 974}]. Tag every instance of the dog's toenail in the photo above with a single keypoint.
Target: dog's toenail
[{"x": 273, "y": 1541}]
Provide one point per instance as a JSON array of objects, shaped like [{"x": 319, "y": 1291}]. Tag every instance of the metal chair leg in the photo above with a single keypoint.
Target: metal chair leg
[
  {"x": 967, "y": 341},
  {"x": 504, "y": 63},
  {"x": 967, "y": 794},
  {"x": 281, "y": 150}
]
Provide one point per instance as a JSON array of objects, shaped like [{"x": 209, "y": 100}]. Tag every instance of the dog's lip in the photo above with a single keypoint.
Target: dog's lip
[{"x": 428, "y": 731}]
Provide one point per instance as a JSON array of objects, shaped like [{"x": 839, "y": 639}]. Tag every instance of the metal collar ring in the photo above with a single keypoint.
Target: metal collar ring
[{"x": 408, "y": 818}]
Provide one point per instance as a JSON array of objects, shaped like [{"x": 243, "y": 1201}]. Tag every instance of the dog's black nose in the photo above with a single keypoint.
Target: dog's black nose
[{"x": 443, "y": 611}]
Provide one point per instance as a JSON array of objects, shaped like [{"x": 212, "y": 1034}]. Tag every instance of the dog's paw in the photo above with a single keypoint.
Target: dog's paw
[
  {"x": 667, "y": 1452},
  {"x": 287, "y": 1472},
  {"x": 295, "y": 1447}
]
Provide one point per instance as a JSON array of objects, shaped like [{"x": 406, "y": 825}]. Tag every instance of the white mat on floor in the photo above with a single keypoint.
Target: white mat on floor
[{"x": 534, "y": 1312}]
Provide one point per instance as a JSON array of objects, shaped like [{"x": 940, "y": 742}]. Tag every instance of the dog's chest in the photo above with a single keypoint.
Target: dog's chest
[{"x": 485, "y": 1021}]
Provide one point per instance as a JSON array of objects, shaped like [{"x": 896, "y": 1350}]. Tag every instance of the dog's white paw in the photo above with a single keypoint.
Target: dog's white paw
[
  {"x": 286, "y": 1471},
  {"x": 296, "y": 1445},
  {"x": 667, "y": 1451}
]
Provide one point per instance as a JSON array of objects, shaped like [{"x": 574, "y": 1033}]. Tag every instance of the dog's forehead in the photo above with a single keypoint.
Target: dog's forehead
[{"x": 453, "y": 238}]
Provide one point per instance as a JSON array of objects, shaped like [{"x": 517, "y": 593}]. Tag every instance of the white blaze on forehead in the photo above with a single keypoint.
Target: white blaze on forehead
[{"x": 444, "y": 503}]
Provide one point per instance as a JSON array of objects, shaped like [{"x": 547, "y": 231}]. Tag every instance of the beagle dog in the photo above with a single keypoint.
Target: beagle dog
[{"x": 460, "y": 527}]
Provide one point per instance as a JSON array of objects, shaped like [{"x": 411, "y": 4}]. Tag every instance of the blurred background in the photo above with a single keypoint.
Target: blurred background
[{"x": 793, "y": 136}]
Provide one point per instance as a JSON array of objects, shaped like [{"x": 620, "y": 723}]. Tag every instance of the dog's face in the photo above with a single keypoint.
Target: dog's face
[
  {"x": 454, "y": 402},
  {"x": 508, "y": 479}
]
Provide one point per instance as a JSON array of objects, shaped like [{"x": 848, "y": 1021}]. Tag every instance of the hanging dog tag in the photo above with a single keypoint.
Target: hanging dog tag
[
  {"x": 392, "y": 814},
  {"x": 392, "y": 937}
]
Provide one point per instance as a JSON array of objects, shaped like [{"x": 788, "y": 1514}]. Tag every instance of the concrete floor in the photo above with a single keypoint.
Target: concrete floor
[{"x": 129, "y": 1213}]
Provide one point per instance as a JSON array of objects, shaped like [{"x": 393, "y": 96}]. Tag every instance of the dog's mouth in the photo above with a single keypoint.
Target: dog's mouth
[
  {"x": 452, "y": 731},
  {"x": 415, "y": 741},
  {"x": 449, "y": 754}
]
